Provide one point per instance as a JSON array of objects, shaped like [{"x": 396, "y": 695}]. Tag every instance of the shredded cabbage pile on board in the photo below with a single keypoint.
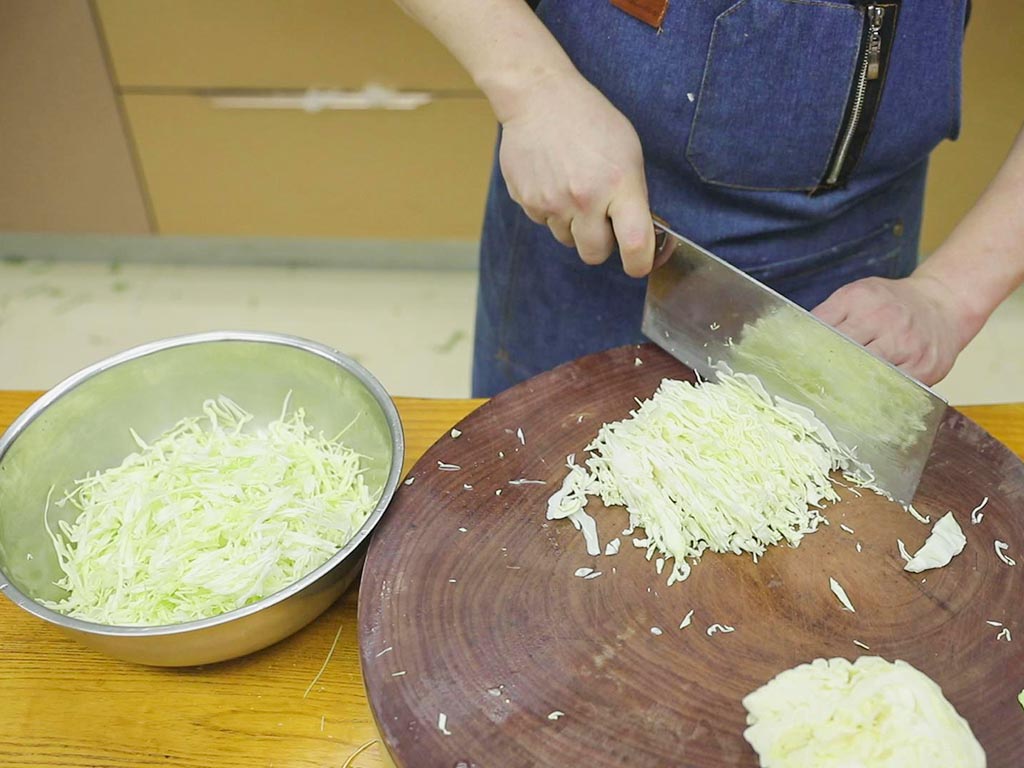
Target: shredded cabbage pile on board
[
  {"x": 717, "y": 466},
  {"x": 207, "y": 518},
  {"x": 834, "y": 714}
]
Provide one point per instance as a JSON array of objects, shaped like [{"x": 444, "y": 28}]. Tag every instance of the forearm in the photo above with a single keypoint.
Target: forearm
[
  {"x": 982, "y": 261},
  {"x": 501, "y": 43}
]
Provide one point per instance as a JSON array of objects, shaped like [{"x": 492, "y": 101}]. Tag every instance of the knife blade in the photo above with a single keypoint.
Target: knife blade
[{"x": 706, "y": 312}]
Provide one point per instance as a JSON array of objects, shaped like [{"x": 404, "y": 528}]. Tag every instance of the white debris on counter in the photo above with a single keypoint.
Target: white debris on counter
[
  {"x": 1001, "y": 547},
  {"x": 556, "y": 714},
  {"x": 637, "y": 362},
  {"x": 410, "y": 480},
  {"x": 656, "y": 631},
  {"x": 976, "y": 514},
  {"x": 399, "y": 673},
  {"x": 846, "y": 528},
  {"x": 467, "y": 487},
  {"x": 583, "y": 572},
  {"x": 524, "y": 481},
  {"x": 924, "y": 519},
  {"x": 840, "y": 593},
  {"x": 859, "y": 547},
  {"x": 463, "y": 530},
  {"x": 612, "y": 548},
  {"x": 442, "y": 724},
  {"x": 723, "y": 628},
  {"x": 386, "y": 650},
  {"x": 687, "y": 620},
  {"x": 446, "y": 467},
  {"x": 521, "y": 436},
  {"x": 945, "y": 542},
  {"x": 903, "y": 551},
  {"x": 859, "y": 644},
  {"x": 994, "y": 623},
  {"x": 1004, "y": 634}
]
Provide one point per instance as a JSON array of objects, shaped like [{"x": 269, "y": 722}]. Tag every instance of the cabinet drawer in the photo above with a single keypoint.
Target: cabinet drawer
[
  {"x": 376, "y": 173},
  {"x": 273, "y": 44}
]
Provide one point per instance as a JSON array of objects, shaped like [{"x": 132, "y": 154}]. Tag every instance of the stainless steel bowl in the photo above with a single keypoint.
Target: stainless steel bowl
[{"x": 82, "y": 425}]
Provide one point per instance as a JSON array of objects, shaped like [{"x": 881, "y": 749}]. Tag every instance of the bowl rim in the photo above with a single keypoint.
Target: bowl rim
[{"x": 367, "y": 379}]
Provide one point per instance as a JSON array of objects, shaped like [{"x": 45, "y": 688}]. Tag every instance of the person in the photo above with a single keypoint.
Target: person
[{"x": 792, "y": 139}]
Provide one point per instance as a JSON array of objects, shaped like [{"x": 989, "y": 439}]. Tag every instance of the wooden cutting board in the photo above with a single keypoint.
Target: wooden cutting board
[{"x": 469, "y": 607}]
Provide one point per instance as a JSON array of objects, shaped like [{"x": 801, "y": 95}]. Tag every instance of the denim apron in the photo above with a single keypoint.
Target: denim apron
[{"x": 740, "y": 108}]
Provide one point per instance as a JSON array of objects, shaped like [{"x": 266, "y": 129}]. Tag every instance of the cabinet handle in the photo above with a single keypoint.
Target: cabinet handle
[{"x": 314, "y": 100}]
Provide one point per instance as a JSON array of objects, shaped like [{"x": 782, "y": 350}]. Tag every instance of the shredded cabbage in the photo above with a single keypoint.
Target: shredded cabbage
[
  {"x": 719, "y": 466},
  {"x": 834, "y": 714},
  {"x": 207, "y": 518},
  {"x": 840, "y": 593}
]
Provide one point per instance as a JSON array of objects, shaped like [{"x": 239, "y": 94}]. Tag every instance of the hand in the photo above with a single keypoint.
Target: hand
[
  {"x": 915, "y": 323},
  {"x": 574, "y": 163}
]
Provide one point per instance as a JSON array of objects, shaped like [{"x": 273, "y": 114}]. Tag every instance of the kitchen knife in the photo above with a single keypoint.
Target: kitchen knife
[{"x": 705, "y": 313}]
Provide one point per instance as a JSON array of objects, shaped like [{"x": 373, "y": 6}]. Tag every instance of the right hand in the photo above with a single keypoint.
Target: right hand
[{"x": 574, "y": 163}]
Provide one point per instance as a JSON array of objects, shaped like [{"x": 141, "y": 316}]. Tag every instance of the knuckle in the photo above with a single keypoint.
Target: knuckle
[{"x": 582, "y": 195}]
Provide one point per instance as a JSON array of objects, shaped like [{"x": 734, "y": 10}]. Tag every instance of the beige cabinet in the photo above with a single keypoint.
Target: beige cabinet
[
  {"x": 197, "y": 78},
  {"x": 273, "y": 44},
  {"x": 65, "y": 159},
  {"x": 386, "y": 174}
]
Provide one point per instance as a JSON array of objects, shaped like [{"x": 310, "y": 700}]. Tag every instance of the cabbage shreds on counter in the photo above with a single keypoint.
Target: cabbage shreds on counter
[
  {"x": 209, "y": 517},
  {"x": 834, "y": 714},
  {"x": 717, "y": 466}
]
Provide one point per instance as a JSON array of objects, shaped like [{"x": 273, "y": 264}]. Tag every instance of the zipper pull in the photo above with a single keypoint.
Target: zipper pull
[{"x": 875, "y": 16}]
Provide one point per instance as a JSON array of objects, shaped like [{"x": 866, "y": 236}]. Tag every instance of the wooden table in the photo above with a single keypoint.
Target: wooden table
[{"x": 65, "y": 705}]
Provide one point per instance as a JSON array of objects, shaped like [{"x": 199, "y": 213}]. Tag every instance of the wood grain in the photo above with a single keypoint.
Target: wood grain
[
  {"x": 473, "y": 592},
  {"x": 67, "y": 706}
]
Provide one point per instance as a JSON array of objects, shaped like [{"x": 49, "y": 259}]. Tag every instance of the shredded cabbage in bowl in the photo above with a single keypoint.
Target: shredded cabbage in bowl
[{"x": 209, "y": 517}]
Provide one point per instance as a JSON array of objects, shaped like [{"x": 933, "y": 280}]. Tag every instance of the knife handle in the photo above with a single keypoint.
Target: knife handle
[{"x": 664, "y": 243}]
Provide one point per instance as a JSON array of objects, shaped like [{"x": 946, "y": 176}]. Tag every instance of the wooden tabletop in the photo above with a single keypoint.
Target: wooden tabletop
[{"x": 65, "y": 705}]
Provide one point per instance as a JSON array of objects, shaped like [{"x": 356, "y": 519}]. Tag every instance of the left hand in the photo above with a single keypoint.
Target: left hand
[{"x": 915, "y": 323}]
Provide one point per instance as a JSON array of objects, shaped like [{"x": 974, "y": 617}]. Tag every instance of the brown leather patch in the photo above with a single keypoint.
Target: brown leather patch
[{"x": 648, "y": 11}]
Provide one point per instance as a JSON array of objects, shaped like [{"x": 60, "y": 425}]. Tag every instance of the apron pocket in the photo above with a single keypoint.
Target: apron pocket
[{"x": 776, "y": 83}]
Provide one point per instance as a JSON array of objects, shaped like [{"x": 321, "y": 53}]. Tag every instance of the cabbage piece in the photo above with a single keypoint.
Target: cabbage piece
[
  {"x": 209, "y": 517},
  {"x": 945, "y": 542},
  {"x": 834, "y": 714},
  {"x": 840, "y": 593},
  {"x": 718, "y": 466}
]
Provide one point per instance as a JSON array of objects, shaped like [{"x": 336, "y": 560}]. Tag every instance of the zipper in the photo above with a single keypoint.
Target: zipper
[{"x": 865, "y": 94}]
